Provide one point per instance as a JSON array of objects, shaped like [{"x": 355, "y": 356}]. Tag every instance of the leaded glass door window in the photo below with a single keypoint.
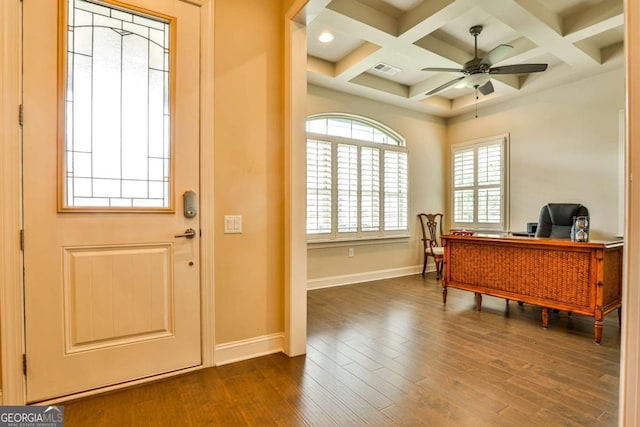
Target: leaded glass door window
[{"x": 117, "y": 132}]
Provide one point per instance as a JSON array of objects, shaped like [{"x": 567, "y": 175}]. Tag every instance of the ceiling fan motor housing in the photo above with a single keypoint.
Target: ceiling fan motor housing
[{"x": 475, "y": 66}]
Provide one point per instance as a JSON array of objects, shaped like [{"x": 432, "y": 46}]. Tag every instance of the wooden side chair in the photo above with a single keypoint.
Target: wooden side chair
[{"x": 431, "y": 232}]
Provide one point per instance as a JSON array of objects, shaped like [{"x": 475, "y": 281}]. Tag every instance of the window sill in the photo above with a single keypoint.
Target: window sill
[{"x": 356, "y": 241}]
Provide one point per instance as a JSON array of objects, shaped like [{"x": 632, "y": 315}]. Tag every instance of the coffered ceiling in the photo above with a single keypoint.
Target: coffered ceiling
[{"x": 576, "y": 38}]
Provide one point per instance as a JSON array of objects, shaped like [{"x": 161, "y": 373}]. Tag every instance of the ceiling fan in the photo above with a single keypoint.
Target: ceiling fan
[{"x": 478, "y": 71}]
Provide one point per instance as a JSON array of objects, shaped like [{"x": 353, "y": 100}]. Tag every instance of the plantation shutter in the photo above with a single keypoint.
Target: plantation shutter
[
  {"x": 463, "y": 178},
  {"x": 370, "y": 189},
  {"x": 489, "y": 183},
  {"x": 347, "y": 188},
  {"x": 395, "y": 190},
  {"x": 318, "y": 187}
]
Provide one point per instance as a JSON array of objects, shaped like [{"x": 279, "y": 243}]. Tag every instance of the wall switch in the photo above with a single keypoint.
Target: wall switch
[
  {"x": 233, "y": 224},
  {"x": 350, "y": 252}
]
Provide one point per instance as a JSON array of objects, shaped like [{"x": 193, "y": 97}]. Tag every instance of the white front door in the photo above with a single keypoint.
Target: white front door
[{"x": 111, "y": 294}]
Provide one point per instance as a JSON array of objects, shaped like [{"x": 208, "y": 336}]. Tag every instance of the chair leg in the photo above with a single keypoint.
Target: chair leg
[
  {"x": 439, "y": 270},
  {"x": 424, "y": 265}
]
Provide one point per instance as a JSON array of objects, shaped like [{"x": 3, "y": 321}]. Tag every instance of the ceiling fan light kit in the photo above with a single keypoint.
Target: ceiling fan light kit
[{"x": 477, "y": 72}]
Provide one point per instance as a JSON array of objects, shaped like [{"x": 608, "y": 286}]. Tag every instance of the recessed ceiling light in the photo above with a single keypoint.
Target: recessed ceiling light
[{"x": 326, "y": 37}]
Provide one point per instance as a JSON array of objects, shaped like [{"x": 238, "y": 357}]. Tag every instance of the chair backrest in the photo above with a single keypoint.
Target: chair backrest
[
  {"x": 556, "y": 219},
  {"x": 431, "y": 229}
]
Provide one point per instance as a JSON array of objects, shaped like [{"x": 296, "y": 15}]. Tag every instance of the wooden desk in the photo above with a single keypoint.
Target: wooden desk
[{"x": 584, "y": 278}]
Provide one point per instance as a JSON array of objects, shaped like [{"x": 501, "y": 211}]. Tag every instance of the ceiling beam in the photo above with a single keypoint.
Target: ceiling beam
[
  {"x": 362, "y": 13},
  {"x": 593, "y": 20},
  {"x": 542, "y": 27},
  {"x": 348, "y": 66}
]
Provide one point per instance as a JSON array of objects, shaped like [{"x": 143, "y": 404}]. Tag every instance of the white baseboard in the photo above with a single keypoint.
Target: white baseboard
[
  {"x": 249, "y": 348},
  {"x": 367, "y": 276}
]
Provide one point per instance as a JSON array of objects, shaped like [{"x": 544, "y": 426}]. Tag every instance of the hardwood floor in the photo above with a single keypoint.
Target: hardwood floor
[{"x": 388, "y": 353}]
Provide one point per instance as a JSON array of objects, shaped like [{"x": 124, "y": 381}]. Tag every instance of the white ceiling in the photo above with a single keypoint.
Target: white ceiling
[{"x": 577, "y": 38}]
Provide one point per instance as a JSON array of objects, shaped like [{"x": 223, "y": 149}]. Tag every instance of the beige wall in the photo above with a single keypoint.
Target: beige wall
[
  {"x": 425, "y": 138},
  {"x": 564, "y": 148},
  {"x": 248, "y": 168}
]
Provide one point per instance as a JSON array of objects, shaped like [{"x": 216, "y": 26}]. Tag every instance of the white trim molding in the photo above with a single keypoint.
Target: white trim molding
[
  {"x": 295, "y": 237},
  {"x": 367, "y": 276},
  {"x": 248, "y": 349},
  {"x": 207, "y": 264}
]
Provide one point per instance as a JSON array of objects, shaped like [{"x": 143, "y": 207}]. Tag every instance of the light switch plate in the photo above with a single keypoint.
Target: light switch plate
[{"x": 233, "y": 224}]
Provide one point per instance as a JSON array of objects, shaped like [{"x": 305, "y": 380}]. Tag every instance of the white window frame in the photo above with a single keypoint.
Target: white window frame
[
  {"x": 476, "y": 225},
  {"x": 398, "y": 146}
]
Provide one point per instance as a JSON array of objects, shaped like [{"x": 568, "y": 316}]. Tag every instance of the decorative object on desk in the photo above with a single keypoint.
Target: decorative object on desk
[
  {"x": 462, "y": 233},
  {"x": 431, "y": 240},
  {"x": 580, "y": 232}
]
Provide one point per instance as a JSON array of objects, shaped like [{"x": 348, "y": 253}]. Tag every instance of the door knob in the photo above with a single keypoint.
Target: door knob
[{"x": 189, "y": 233}]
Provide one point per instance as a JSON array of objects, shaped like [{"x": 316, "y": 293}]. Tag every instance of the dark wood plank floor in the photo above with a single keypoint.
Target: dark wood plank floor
[{"x": 388, "y": 353}]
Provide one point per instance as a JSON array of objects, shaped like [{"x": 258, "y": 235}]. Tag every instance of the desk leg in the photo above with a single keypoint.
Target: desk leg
[
  {"x": 545, "y": 317},
  {"x": 599, "y": 315},
  {"x": 444, "y": 294},
  {"x": 598, "y": 331}
]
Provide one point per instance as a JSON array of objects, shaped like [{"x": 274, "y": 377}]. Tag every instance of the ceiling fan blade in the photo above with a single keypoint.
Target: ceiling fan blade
[
  {"x": 444, "y": 86},
  {"x": 497, "y": 54},
  {"x": 518, "y": 69},
  {"x": 450, "y": 70},
  {"x": 486, "y": 88}
]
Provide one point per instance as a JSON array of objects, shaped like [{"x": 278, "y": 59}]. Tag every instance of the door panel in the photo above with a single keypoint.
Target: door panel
[
  {"x": 117, "y": 295},
  {"x": 109, "y": 296}
]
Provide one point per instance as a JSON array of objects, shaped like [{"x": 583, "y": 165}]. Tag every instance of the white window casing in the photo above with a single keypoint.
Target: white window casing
[{"x": 479, "y": 184}]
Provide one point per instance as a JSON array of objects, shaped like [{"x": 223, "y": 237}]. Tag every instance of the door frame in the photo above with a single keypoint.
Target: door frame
[
  {"x": 12, "y": 328},
  {"x": 629, "y": 412}
]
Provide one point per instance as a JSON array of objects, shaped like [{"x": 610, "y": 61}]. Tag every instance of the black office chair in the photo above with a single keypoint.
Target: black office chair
[{"x": 556, "y": 219}]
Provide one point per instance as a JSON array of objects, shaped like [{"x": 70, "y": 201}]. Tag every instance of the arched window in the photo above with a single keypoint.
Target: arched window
[{"x": 357, "y": 178}]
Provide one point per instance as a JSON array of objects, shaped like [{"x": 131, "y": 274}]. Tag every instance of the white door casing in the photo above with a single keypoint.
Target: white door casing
[{"x": 110, "y": 297}]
